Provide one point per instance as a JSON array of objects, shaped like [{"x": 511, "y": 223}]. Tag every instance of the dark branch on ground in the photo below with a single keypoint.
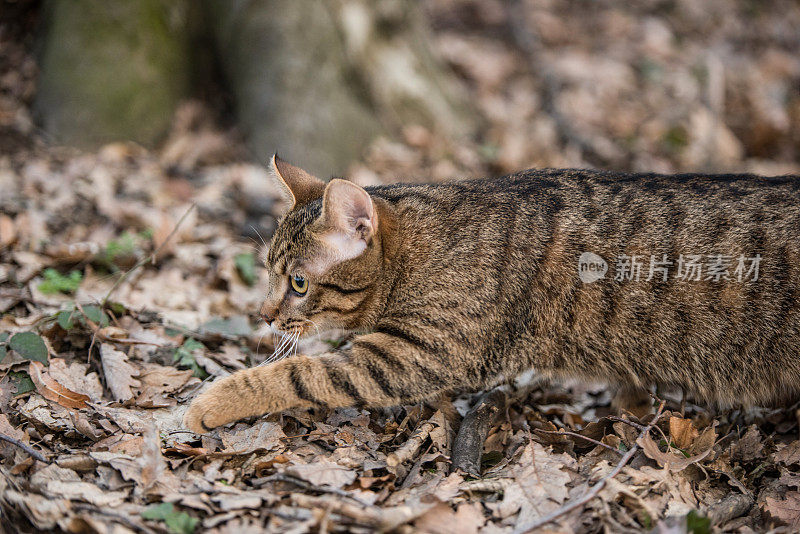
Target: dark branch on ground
[
  {"x": 36, "y": 455},
  {"x": 471, "y": 436}
]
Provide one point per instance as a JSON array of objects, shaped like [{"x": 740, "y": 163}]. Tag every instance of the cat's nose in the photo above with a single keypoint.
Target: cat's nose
[{"x": 268, "y": 313}]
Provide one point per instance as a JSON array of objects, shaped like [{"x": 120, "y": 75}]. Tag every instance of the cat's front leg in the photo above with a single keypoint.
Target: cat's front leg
[
  {"x": 254, "y": 391},
  {"x": 379, "y": 370}
]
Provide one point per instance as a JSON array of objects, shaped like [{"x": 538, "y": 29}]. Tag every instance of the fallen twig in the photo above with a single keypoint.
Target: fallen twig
[
  {"x": 472, "y": 433},
  {"x": 594, "y": 490},
  {"x": 410, "y": 448},
  {"x": 575, "y": 434},
  {"x": 731, "y": 507},
  {"x": 300, "y": 483},
  {"x": 36, "y": 455},
  {"x": 490, "y": 485},
  {"x": 373, "y": 516},
  {"x": 634, "y": 424}
]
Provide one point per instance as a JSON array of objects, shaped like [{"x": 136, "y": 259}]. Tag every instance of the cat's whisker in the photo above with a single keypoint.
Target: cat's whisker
[
  {"x": 284, "y": 341},
  {"x": 290, "y": 348},
  {"x": 316, "y": 326},
  {"x": 286, "y": 348},
  {"x": 259, "y": 236}
]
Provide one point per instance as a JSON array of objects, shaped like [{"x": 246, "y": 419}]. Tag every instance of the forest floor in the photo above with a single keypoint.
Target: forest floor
[{"x": 130, "y": 277}]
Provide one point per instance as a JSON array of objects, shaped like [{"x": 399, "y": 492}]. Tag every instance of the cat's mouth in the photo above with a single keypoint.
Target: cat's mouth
[{"x": 297, "y": 329}]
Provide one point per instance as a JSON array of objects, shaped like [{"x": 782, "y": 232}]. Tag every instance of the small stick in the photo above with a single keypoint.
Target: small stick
[
  {"x": 575, "y": 434},
  {"x": 283, "y": 477},
  {"x": 114, "y": 516},
  {"x": 27, "y": 448},
  {"x": 383, "y": 519},
  {"x": 730, "y": 507},
  {"x": 637, "y": 426},
  {"x": 594, "y": 490},
  {"x": 151, "y": 257},
  {"x": 493, "y": 485},
  {"x": 410, "y": 448},
  {"x": 472, "y": 433}
]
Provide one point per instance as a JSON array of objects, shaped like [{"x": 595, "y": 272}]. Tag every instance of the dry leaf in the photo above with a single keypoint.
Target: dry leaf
[
  {"x": 157, "y": 381},
  {"x": 539, "y": 487},
  {"x": 76, "y": 377},
  {"x": 323, "y": 472},
  {"x": 786, "y": 510},
  {"x": 441, "y": 519},
  {"x": 790, "y": 454},
  {"x": 263, "y": 435},
  {"x": 8, "y": 450},
  {"x": 706, "y": 440},
  {"x": 682, "y": 432},
  {"x": 151, "y": 460},
  {"x": 8, "y": 233},
  {"x": 668, "y": 460},
  {"x": 749, "y": 447},
  {"x": 52, "y": 390},
  {"x": 118, "y": 372}
]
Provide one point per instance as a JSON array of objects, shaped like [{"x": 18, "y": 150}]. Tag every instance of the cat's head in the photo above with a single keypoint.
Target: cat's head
[{"x": 324, "y": 260}]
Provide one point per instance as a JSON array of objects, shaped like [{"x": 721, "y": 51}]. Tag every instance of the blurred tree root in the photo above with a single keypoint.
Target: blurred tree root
[{"x": 315, "y": 81}]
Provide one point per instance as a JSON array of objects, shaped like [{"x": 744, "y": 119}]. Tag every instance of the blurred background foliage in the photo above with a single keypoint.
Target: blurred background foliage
[{"x": 413, "y": 90}]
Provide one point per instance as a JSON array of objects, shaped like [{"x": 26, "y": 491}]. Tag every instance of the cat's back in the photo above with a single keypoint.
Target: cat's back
[{"x": 536, "y": 185}]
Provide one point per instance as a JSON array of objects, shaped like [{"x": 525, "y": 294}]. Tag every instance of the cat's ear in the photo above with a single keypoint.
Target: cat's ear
[
  {"x": 297, "y": 186},
  {"x": 349, "y": 219}
]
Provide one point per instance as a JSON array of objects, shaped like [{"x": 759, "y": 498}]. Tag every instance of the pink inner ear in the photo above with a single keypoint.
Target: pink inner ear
[
  {"x": 349, "y": 221},
  {"x": 334, "y": 247},
  {"x": 349, "y": 210}
]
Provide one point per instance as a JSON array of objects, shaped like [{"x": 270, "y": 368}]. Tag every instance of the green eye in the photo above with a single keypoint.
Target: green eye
[{"x": 299, "y": 284}]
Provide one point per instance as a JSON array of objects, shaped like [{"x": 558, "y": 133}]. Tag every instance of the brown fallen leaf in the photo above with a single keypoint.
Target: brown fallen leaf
[
  {"x": 8, "y": 450},
  {"x": 52, "y": 390},
  {"x": 789, "y": 455},
  {"x": 682, "y": 432},
  {"x": 151, "y": 460},
  {"x": 76, "y": 376},
  {"x": 249, "y": 438},
  {"x": 668, "y": 460},
  {"x": 187, "y": 450},
  {"x": 157, "y": 382},
  {"x": 441, "y": 519},
  {"x": 8, "y": 233},
  {"x": 786, "y": 510},
  {"x": 706, "y": 440},
  {"x": 118, "y": 372},
  {"x": 323, "y": 472},
  {"x": 539, "y": 487},
  {"x": 749, "y": 447}
]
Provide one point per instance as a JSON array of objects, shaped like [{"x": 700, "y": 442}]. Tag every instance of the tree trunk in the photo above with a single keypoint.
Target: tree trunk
[
  {"x": 111, "y": 70},
  {"x": 317, "y": 81}
]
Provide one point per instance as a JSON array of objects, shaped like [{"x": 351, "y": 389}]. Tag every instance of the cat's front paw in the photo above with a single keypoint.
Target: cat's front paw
[{"x": 213, "y": 408}]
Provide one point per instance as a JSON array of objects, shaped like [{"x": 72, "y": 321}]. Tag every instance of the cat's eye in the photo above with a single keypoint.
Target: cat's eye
[{"x": 299, "y": 285}]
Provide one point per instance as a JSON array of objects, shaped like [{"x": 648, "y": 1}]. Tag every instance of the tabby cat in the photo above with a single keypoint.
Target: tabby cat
[{"x": 689, "y": 281}]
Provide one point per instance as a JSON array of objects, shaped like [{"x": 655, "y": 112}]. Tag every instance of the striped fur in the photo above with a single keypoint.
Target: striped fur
[{"x": 469, "y": 282}]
